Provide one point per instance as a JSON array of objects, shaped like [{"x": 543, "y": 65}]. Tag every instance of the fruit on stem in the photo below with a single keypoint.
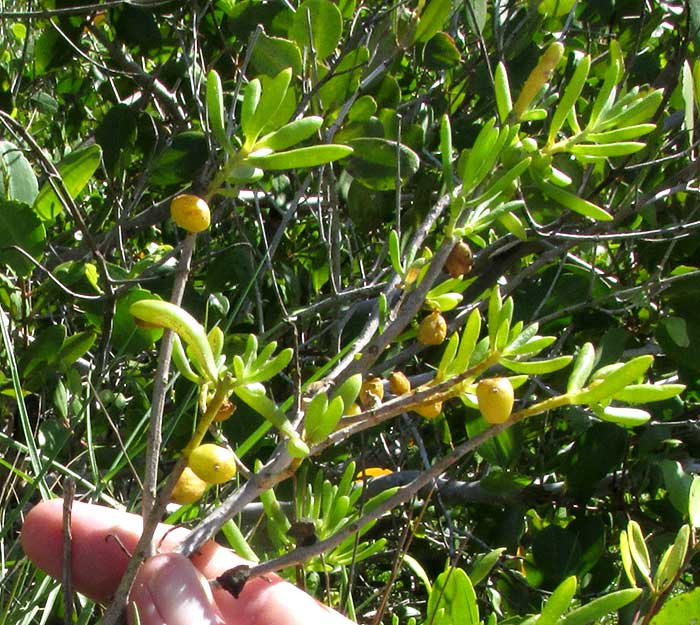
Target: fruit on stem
[
  {"x": 190, "y": 212},
  {"x": 429, "y": 409},
  {"x": 460, "y": 261},
  {"x": 399, "y": 384},
  {"x": 433, "y": 329},
  {"x": 495, "y": 397},
  {"x": 225, "y": 411},
  {"x": 212, "y": 463},
  {"x": 371, "y": 393},
  {"x": 188, "y": 488}
]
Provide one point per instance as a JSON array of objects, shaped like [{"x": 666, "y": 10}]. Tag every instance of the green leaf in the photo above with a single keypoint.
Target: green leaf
[
  {"x": 599, "y": 607},
  {"x": 494, "y": 314},
  {"x": 483, "y": 565},
  {"x": 441, "y": 52},
  {"x": 621, "y": 148},
  {"x": 350, "y": 389},
  {"x": 683, "y": 609},
  {"x": 394, "y": 252},
  {"x": 694, "y": 502},
  {"x": 324, "y": 20},
  {"x": 504, "y": 102},
  {"x": 448, "y": 356},
  {"x": 558, "y": 602},
  {"x": 17, "y": 179},
  {"x": 638, "y": 550},
  {"x": 453, "y": 595},
  {"x": 575, "y": 203},
  {"x": 632, "y": 114},
  {"x": 672, "y": 560},
  {"x": 621, "y": 134},
  {"x": 626, "y": 557},
  {"x": 180, "y": 162},
  {"x": 75, "y": 171},
  {"x": 446, "y": 152},
  {"x": 215, "y": 108},
  {"x": 271, "y": 367},
  {"x": 615, "y": 380},
  {"x": 432, "y": 19},
  {"x": 376, "y": 162},
  {"x": 273, "y": 93},
  {"x": 532, "y": 367},
  {"x": 470, "y": 336},
  {"x": 647, "y": 393},
  {"x": 324, "y": 423},
  {"x": 20, "y": 226},
  {"x": 532, "y": 346},
  {"x": 585, "y": 360},
  {"x": 251, "y": 98},
  {"x": 606, "y": 94},
  {"x": 75, "y": 346},
  {"x": 273, "y": 54},
  {"x": 567, "y": 103},
  {"x": 688, "y": 100},
  {"x": 626, "y": 417},
  {"x": 311, "y": 156}
]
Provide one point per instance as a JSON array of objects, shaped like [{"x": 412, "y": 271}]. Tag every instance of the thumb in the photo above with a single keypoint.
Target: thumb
[{"x": 168, "y": 590}]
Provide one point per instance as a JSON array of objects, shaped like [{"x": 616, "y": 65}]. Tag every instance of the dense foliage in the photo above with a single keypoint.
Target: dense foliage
[{"x": 345, "y": 148}]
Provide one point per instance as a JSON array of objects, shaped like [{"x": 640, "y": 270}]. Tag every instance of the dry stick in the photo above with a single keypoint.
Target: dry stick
[
  {"x": 303, "y": 554},
  {"x": 67, "y": 578},
  {"x": 153, "y": 505}
]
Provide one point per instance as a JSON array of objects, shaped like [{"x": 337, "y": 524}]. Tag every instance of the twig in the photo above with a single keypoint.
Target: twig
[{"x": 67, "y": 578}]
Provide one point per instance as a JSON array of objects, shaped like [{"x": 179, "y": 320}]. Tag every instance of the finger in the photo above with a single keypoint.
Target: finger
[
  {"x": 100, "y": 537},
  {"x": 98, "y": 562},
  {"x": 168, "y": 590}
]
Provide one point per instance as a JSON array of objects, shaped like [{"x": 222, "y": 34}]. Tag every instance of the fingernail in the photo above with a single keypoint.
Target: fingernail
[{"x": 169, "y": 591}]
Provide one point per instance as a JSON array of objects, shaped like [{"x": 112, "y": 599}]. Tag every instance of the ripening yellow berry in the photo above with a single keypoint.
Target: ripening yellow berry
[
  {"x": 399, "y": 384},
  {"x": 429, "y": 410},
  {"x": 371, "y": 393},
  {"x": 212, "y": 463},
  {"x": 190, "y": 212},
  {"x": 188, "y": 488},
  {"x": 495, "y": 397},
  {"x": 433, "y": 329}
]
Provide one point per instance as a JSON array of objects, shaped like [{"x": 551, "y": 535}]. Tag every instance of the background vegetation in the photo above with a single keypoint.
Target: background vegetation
[{"x": 579, "y": 199}]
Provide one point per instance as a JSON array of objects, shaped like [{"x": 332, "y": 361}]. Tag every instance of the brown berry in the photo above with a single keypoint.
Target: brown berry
[
  {"x": 460, "y": 261},
  {"x": 225, "y": 410},
  {"x": 372, "y": 392},
  {"x": 399, "y": 384},
  {"x": 433, "y": 329}
]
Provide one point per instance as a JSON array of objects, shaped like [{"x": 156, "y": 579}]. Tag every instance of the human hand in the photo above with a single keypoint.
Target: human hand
[{"x": 169, "y": 589}]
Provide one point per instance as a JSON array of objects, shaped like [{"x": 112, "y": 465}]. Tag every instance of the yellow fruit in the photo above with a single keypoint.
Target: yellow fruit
[
  {"x": 429, "y": 410},
  {"x": 225, "y": 411},
  {"x": 188, "y": 488},
  {"x": 460, "y": 260},
  {"x": 433, "y": 329},
  {"x": 495, "y": 397},
  {"x": 352, "y": 410},
  {"x": 372, "y": 392},
  {"x": 190, "y": 212},
  {"x": 213, "y": 464},
  {"x": 399, "y": 384}
]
